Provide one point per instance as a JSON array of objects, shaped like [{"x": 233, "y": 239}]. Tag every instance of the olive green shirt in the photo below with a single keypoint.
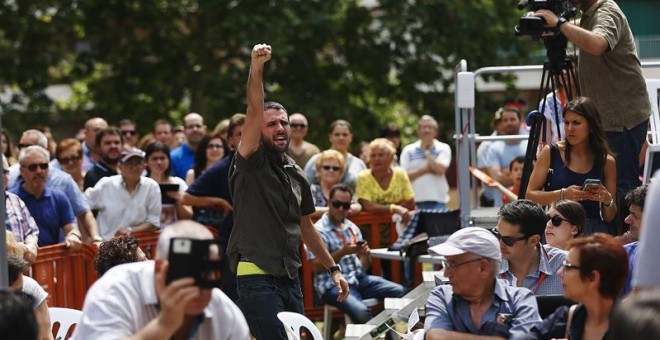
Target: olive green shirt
[
  {"x": 613, "y": 79},
  {"x": 270, "y": 196}
]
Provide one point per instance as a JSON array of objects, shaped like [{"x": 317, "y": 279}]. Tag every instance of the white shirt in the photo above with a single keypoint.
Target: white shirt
[
  {"x": 429, "y": 186},
  {"x": 117, "y": 207},
  {"x": 124, "y": 300}
]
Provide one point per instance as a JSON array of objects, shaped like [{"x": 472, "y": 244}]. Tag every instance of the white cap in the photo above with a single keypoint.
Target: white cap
[{"x": 474, "y": 240}]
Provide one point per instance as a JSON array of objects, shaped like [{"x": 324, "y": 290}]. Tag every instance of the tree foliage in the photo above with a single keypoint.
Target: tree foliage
[{"x": 371, "y": 62}]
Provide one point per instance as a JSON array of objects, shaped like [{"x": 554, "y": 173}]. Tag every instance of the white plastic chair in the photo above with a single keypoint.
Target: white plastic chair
[
  {"x": 66, "y": 317},
  {"x": 294, "y": 321}
]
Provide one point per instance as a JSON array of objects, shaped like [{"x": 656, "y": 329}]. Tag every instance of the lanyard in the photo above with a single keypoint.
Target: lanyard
[
  {"x": 353, "y": 237},
  {"x": 538, "y": 284}
]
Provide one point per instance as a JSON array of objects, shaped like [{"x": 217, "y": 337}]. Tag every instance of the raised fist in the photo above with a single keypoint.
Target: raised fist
[{"x": 261, "y": 53}]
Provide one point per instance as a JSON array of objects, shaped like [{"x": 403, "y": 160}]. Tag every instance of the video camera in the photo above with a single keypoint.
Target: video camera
[{"x": 534, "y": 26}]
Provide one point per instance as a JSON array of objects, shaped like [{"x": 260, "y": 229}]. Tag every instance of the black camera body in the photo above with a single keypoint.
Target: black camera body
[
  {"x": 533, "y": 26},
  {"x": 198, "y": 259}
]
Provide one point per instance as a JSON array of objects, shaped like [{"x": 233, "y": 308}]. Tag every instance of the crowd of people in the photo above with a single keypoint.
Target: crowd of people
[{"x": 260, "y": 183}]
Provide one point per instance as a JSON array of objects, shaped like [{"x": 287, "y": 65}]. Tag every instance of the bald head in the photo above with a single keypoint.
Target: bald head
[
  {"x": 194, "y": 128},
  {"x": 92, "y": 127},
  {"x": 182, "y": 228}
]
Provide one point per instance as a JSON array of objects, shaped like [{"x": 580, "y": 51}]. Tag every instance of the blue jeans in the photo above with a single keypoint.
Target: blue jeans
[
  {"x": 430, "y": 205},
  {"x": 261, "y": 297},
  {"x": 626, "y": 146},
  {"x": 368, "y": 287}
]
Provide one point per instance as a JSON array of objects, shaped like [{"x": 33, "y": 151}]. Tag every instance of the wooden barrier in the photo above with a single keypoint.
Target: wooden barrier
[{"x": 67, "y": 276}]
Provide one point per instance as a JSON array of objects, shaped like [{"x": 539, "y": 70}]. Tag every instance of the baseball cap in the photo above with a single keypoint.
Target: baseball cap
[
  {"x": 130, "y": 153},
  {"x": 474, "y": 240}
]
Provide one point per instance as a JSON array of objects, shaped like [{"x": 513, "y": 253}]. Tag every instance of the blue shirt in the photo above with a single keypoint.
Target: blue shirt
[
  {"x": 57, "y": 180},
  {"x": 182, "y": 159},
  {"x": 214, "y": 182},
  {"x": 546, "y": 274},
  {"x": 631, "y": 249},
  {"x": 51, "y": 211},
  {"x": 450, "y": 312},
  {"x": 350, "y": 264}
]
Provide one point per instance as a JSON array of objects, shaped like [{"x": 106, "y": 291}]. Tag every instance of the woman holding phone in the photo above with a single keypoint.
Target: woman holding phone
[
  {"x": 159, "y": 166},
  {"x": 581, "y": 168}
]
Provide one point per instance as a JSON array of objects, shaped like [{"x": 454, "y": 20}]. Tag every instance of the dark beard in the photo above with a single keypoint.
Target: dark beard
[
  {"x": 109, "y": 161},
  {"x": 268, "y": 144}
]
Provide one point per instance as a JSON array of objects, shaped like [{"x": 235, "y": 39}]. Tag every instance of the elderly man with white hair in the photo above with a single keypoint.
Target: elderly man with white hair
[
  {"x": 133, "y": 301},
  {"x": 476, "y": 304},
  {"x": 300, "y": 149}
]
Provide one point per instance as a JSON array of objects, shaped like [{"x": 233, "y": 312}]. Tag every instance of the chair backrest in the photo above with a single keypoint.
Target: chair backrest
[
  {"x": 549, "y": 303},
  {"x": 65, "y": 318},
  {"x": 437, "y": 223},
  {"x": 294, "y": 321}
]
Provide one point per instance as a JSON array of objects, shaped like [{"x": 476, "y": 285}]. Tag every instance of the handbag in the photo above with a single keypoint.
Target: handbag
[{"x": 416, "y": 246}]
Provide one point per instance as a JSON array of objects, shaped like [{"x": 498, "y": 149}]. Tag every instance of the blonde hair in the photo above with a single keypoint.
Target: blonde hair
[
  {"x": 384, "y": 144},
  {"x": 330, "y": 154}
]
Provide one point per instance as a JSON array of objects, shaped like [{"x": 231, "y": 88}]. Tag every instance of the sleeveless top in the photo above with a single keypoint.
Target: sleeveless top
[{"x": 563, "y": 177}]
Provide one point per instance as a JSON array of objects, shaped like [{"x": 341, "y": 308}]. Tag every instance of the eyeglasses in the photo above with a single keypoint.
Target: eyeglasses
[
  {"x": 507, "y": 240},
  {"x": 33, "y": 167},
  {"x": 331, "y": 168},
  {"x": 568, "y": 266},
  {"x": 556, "y": 220},
  {"x": 453, "y": 266},
  {"x": 128, "y": 132},
  {"x": 69, "y": 160},
  {"x": 214, "y": 146},
  {"x": 298, "y": 125},
  {"x": 336, "y": 204}
]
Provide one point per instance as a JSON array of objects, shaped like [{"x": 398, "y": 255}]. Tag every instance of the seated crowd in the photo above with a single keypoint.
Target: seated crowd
[{"x": 100, "y": 189}]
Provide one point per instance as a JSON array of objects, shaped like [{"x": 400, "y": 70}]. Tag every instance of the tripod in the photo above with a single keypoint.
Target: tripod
[{"x": 557, "y": 70}]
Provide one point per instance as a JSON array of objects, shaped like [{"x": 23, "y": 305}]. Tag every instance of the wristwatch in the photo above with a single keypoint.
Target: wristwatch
[
  {"x": 560, "y": 21},
  {"x": 335, "y": 268}
]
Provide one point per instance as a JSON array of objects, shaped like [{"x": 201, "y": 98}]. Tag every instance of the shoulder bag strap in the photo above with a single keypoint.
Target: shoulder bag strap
[{"x": 571, "y": 313}]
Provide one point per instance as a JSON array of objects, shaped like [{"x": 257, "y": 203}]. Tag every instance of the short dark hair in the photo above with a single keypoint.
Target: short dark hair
[
  {"x": 17, "y": 317},
  {"x": 163, "y": 121},
  {"x": 527, "y": 214},
  {"x": 573, "y": 212},
  {"x": 108, "y": 131},
  {"x": 602, "y": 253},
  {"x": 274, "y": 105},
  {"x": 637, "y": 196},
  {"x": 517, "y": 159},
  {"x": 341, "y": 122},
  {"x": 340, "y": 187},
  {"x": 115, "y": 252},
  {"x": 127, "y": 121},
  {"x": 636, "y": 317},
  {"x": 15, "y": 267}
]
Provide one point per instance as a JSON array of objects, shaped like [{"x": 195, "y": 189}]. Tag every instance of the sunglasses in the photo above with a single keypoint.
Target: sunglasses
[
  {"x": 69, "y": 160},
  {"x": 507, "y": 240},
  {"x": 128, "y": 132},
  {"x": 331, "y": 168},
  {"x": 298, "y": 125},
  {"x": 568, "y": 266},
  {"x": 33, "y": 167},
  {"x": 214, "y": 146},
  {"x": 336, "y": 204},
  {"x": 556, "y": 220}
]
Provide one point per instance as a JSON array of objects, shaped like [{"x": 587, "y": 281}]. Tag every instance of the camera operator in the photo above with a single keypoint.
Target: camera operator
[{"x": 610, "y": 73}]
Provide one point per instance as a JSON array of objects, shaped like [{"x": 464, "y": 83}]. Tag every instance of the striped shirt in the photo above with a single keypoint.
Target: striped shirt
[{"x": 18, "y": 219}]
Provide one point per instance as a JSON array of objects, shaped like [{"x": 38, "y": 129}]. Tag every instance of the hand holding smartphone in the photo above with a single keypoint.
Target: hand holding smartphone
[{"x": 591, "y": 184}]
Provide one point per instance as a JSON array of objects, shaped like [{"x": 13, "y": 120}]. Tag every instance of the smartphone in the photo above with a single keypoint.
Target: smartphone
[
  {"x": 590, "y": 184},
  {"x": 199, "y": 259},
  {"x": 360, "y": 243}
]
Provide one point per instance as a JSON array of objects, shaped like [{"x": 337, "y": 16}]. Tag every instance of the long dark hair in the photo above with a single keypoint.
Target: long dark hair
[
  {"x": 584, "y": 107},
  {"x": 200, "y": 153},
  {"x": 156, "y": 147}
]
